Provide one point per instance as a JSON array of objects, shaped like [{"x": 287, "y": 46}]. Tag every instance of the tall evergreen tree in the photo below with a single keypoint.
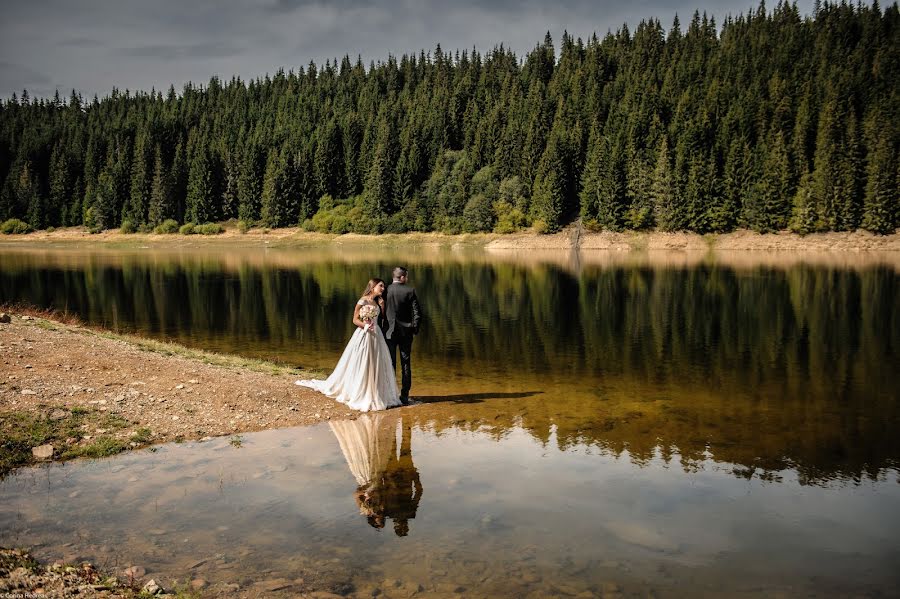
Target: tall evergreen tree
[
  {"x": 200, "y": 200},
  {"x": 249, "y": 185},
  {"x": 161, "y": 205},
  {"x": 139, "y": 198},
  {"x": 666, "y": 210},
  {"x": 882, "y": 201}
]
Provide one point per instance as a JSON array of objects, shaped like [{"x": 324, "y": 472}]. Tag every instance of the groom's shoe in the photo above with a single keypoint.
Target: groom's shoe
[{"x": 404, "y": 401}]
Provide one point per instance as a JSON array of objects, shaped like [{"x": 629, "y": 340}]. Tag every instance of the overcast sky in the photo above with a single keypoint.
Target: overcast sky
[{"x": 93, "y": 45}]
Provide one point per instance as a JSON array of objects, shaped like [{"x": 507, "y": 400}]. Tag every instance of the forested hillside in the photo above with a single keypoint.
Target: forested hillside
[{"x": 772, "y": 120}]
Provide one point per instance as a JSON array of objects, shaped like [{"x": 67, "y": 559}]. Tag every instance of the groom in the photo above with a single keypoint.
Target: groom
[{"x": 401, "y": 324}]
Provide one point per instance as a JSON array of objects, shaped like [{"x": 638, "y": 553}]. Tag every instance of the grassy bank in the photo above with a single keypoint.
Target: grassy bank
[{"x": 75, "y": 433}]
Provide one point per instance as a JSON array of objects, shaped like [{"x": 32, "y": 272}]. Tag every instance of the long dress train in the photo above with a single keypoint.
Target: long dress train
[{"x": 364, "y": 377}]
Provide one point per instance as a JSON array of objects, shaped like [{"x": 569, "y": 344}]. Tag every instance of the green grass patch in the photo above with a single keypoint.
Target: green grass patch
[
  {"x": 142, "y": 435},
  {"x": 100, "y": 447},
  {"x": 65, "y": 430}
]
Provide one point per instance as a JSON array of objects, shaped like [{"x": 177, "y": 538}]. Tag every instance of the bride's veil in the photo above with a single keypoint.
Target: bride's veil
[{"x": 366, "y": 443}]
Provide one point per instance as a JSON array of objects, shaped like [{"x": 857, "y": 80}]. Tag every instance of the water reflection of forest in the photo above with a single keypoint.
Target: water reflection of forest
[{"x": 776, "y": 364}]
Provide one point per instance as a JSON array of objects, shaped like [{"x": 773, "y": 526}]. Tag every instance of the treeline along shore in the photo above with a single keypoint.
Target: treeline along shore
[{"x": 772, "y": 120}]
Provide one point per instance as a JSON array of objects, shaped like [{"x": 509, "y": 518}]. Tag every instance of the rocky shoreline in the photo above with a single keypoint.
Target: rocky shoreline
[
  {"x": 22, "y": 576},
  {"x": 69, "y": 391}
]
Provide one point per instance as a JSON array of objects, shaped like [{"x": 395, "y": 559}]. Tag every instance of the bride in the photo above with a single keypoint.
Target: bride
[{"x": 364, "y": 377}]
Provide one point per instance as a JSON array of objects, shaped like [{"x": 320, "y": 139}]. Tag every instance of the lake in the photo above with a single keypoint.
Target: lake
[{"x": 681, "y": 424}]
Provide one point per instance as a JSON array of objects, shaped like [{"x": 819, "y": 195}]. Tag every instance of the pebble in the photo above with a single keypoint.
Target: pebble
[
  {"x": 28, "y": 392},
  {"x": 134, "y": 572},
  {"x": 274, "y": 585},
  {"x": 42, "y": 452},
  {"x": 151, "y": 588}
]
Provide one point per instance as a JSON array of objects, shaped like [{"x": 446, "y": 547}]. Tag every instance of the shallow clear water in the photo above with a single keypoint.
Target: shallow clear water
[
  {"x": 682, "y": 424},
  {"x": 496, "y": 514}
]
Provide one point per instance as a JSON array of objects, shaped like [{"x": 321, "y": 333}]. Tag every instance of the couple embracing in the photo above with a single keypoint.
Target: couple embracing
[{"x": 387, "y": 318}]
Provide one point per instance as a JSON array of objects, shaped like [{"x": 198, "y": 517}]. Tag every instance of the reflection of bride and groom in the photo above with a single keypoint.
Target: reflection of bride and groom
[{"x": 389, "y": 485}]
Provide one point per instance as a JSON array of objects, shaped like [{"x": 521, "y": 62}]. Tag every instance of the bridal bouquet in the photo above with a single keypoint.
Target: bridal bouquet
[{"x": 368, "y": 313}]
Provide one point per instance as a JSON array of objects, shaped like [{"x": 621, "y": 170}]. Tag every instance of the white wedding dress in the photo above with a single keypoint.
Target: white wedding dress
[{"x": 364, "y": 377}]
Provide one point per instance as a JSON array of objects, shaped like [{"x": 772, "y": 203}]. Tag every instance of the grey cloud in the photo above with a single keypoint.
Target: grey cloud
[
  {"x": 175, "y": 51},
  {"x": 80, "y": 42},
  {"x": 15, "y": 72}
]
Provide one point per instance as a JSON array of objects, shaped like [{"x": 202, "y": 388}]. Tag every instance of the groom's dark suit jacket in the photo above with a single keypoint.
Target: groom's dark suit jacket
[{"x": 402, "y": 313}]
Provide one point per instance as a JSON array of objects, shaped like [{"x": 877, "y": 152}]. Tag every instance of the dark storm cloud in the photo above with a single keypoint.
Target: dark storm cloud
[{"x": 94, "y": 45}]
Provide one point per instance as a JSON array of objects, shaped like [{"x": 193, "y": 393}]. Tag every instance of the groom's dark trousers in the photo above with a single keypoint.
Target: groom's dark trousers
[{"x": 404, "y": 344}]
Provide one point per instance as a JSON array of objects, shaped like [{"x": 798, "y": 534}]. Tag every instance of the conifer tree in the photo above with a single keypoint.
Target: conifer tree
[
  {"x": 178, "y": 178},
  {"x": 60, "y": 188},
  {"x": 304, "y": 187},
  {"x": 548, "y": 199},
  {"x": 804, "y": 218},
  {"x": 160, "y": 207},
  {"x": 768, "y": 205},
  {"x": 882, "y": 201},
  {"x": 738, "y": 180},
  {"x": 249, "y": 185},
  {"x": 329, "y": 161},
  {"x": 139, "y": 197},
  {"x": 352, "y": 132},
  {"x": 662, "y": 190},
  {"x": 28, "y": 194},
  {"x": 638, "y": 192},
  {"x": 200, "y": 206},
  {"x": 379, "y": 182},
  {"x": 272, "y": 213},
  {"x": 232, "y": 170},
  {"x": 103, "y": 206}
]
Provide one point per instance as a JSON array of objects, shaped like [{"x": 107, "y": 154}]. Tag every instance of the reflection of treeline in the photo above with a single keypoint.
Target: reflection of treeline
[
  {"x": 802, "y": 329},
  {"x": 774, "y": 120},
  {"x": 819, "y": 437}
]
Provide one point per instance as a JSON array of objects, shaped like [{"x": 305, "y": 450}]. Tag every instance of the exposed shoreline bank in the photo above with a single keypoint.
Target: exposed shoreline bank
[
  {"x": 568, "y": 239},
  {"x": 80, "y": 392}
]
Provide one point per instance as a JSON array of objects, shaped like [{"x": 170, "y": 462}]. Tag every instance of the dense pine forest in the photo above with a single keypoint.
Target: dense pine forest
[{"x": 773, "y": 121}]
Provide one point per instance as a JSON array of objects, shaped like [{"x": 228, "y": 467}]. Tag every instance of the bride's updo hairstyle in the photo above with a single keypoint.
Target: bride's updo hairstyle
[{"x": 372, "y": 284}]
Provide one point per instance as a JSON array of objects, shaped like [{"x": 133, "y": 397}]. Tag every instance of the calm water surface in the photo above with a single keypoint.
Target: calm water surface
[{"x": 677, "y": 425}]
